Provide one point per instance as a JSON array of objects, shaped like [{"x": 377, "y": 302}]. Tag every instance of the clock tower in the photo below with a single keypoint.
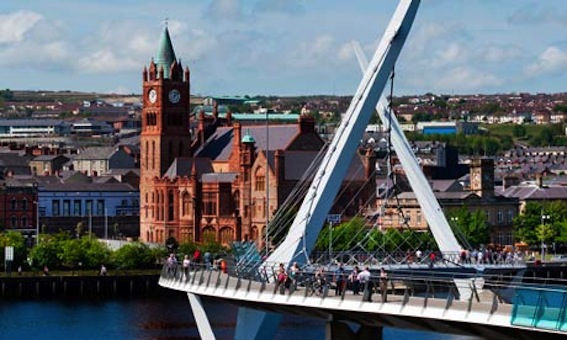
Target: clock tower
[{"x": 165, "y": 126}]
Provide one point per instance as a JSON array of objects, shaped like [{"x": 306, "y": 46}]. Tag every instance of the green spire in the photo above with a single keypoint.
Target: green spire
[
  {"x": 166, "y": 55},
  {"x": 248, "y": 138}
]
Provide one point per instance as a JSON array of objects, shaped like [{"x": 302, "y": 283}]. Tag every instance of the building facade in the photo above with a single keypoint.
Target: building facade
[{"x": 228, "y": 179}]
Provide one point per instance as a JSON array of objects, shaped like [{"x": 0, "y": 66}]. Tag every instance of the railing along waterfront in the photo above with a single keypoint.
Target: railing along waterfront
[{"x": 532, "y": 305}]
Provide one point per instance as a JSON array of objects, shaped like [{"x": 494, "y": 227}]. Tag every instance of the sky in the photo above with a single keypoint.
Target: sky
[{"x": 283, "y": 47}]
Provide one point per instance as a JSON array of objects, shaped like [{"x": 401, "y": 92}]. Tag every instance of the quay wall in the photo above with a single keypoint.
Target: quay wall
[{"x": 37, "y": 287}]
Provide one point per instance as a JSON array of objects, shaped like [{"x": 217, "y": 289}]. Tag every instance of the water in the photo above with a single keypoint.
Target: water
[{"x": 166, "y": 317}]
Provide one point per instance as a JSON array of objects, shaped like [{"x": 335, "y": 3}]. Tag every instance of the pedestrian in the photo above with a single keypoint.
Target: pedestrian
[
  {"x": 45, "y": 271},
  {"x": 281, "y": 279},
  {"x": 366, "y": 282},
  {"x": 353, "y": 279},
  {"x": 384, "y": 284},
  {"x": 19, "y": 270},
  {"x": 186, "y": 263},
  {"x": 207, "y": 258},
  {"x": 102, "y": 270},
  {"x": 339, "y": 279}
]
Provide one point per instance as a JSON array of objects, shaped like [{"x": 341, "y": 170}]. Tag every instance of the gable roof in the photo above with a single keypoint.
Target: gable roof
[
  {"x": 218, "y": 147},
  {"x": 98, "y": 152},
  {"x": 182, "y": 166}
]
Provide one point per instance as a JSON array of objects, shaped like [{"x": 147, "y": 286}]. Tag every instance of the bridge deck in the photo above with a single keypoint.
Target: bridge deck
[{"x": 408, "y": 304}]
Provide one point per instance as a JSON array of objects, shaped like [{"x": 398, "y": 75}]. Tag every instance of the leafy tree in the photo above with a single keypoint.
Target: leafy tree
[
  {"x": 96, "y": 253},
  {"x": 545, "y": 233},
  {"x": 133, "y": 256},
  {"x": 519, "y": 131},
  {"x": 473, "y": 226},
  {"x": 18, "y": 241}
]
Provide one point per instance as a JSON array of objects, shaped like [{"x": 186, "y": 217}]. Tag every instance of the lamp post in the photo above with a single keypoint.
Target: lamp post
[
  {"x": 543, "y": 231},
  {"x": 37, "y": 222}
]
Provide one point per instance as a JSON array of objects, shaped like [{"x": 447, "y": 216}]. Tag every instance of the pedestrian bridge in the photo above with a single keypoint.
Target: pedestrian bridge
[{"x": 497, "y": 308}]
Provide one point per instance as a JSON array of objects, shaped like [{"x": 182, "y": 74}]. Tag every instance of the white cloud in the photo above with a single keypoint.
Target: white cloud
[
  {"x": 464, "y": 78},
  {"x": 281, "y": 6},
  {"x": 549, "y": 61},
  {"x": 498, "y": 53},
  {"x": 313, "y": 53},
  {"x": 14, "y": 26},
  {"x": 105, "y": 61}
]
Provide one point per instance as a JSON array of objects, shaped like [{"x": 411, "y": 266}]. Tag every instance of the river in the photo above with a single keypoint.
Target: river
[{"x": 165, "y": 317}]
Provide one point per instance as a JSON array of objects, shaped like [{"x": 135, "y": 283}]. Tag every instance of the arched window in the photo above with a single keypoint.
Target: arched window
[
  {"x": 170, "y": 210},
  {"x": 209, "y": 234},
  {"x": 153, "y": 154},
  {"x": 186, "y": 204},
  {"x": 226, "y": 236},
  {"x": 24, "y": 221},
  {"x": 13, "y": 204},
  {"x": 25, "y": 204},
  {"x": 147, "y": 154},
  {"x": 14, "y": 221},
  {"x": 254, "y": 234},
  {"x": 236, "y": 199},
  {"x": 260, "y": 179}
]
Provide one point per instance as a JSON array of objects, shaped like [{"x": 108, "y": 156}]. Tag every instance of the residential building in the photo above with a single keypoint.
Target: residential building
[{"x": 95, "y": 161}]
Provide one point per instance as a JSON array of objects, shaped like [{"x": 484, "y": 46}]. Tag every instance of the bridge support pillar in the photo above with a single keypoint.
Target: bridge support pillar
[
  {"x": 203, "y": 324},
  {"x": 253, "y": 324},
  {"x": 340, "y": 330}
]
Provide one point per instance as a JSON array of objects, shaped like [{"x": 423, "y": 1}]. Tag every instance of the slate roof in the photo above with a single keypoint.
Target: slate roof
[
  {"x": 182, "y": 166},
  {"x": 219, "y": 177},
  {"x": 219, "y": 146},
  {"x": 81, "y": 187},
  {"x": 297, "y": 163},
  {"x": 48, "y": 158},
  {"x": 98, "y": 152},
  {"x": 533, "y": 192}
]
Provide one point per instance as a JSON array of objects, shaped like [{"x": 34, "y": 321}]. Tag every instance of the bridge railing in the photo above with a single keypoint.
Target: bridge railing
[{"x": 412, "y": 258}]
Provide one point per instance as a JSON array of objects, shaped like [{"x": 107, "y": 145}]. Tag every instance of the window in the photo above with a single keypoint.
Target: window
[
  {"x": 510, "y": 216},
  {"x": 500, "y": 217},
  {"x": 13, "y": 204},
  {"x": 14, "y": 222},
  {"x": 66, "y": 208},
  {"x": 209, "y": 204},
  {"x": 100, "y": 207},
  {"x": 89, "y": 207},
  {"x": 209, "y": 234},
  {"x": 25, "y": 204},
  {"x": 186, "y": 204},
  {"x": 77, "y": 208},
  {"x": 260, "y": 178},
  {"x": 55, "y": 208},
  {"x": 170, "y": 210},
  {"x": 226, "y": 236},
  {"x": 25, "y": 221}
]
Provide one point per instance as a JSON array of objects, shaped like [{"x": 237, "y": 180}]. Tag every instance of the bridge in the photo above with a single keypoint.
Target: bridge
[
  {"x": 416, "y": 300},
  {"x": 447, "y": 296}
]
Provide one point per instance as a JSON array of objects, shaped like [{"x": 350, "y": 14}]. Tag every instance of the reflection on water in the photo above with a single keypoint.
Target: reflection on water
[{"x": 166, "y": 317}]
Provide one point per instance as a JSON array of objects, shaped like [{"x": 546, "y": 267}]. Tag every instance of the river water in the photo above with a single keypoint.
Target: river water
[{"x": 165, "y": 317}]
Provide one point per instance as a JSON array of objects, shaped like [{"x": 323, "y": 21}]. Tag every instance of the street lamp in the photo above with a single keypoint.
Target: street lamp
[{"x": 543, "y": 231}]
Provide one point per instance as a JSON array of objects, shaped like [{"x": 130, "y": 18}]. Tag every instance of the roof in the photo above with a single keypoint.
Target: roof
[
  {"x": 99, "y": 152},
  {"x": 98, "y": 187},
  {"x": 31, "y": 122},
  {"x": 47, "y": 158},
  {"x": 165, "y": 55},
  {"x": 219, "y": 146},
  {"x": 297, "y": 163},
  {"x": 182, "y": 166},
  {"x": 219, "y": 177},
  {"x": 533, "y": 192}
]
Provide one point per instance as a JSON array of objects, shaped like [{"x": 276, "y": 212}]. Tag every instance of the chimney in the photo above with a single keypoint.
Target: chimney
[
  {"x": 306, "y": 124},
  {"x": 539, "y": 179},
  {"x": 201, "y": 127},
  {"x": 510, "y": 181}
]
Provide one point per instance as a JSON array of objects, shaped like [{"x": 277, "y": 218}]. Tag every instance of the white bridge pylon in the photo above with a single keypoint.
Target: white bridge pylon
[{"x": 310, "y": 218}]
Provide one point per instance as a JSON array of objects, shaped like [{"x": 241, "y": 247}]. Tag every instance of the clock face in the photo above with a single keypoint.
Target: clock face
[
  {"x": 174, "y": 96},
  {"x": 152, "y": 96}
]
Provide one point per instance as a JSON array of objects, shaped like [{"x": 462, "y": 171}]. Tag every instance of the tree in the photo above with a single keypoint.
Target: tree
[
  {"x": 545, "y": 233},
  {"x": 133, "y": 256},
  {"x": 472, "y": 226},
  {"x": 519, "y": 131},
  {"x": 18, "y": 241}
]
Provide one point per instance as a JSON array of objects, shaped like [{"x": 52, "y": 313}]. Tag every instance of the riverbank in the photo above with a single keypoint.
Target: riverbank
[{"x": 82, "y": 284}]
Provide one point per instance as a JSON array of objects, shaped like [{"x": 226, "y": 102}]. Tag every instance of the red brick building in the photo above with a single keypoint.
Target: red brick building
[
  {"x": 18, "y": 206},
  {"x": 214, "y": 186}
]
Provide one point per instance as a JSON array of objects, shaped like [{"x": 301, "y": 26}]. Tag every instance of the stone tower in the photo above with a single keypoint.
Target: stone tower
[{"x": 165, "y": 129}]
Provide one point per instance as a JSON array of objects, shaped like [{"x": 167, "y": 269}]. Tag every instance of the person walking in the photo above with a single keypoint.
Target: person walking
[
  {"x": 186, "y": 264},
  {"x": 365, "y": 280},
  {"x": 353, "y": 279},
  {"x": 384, "y": 285}
]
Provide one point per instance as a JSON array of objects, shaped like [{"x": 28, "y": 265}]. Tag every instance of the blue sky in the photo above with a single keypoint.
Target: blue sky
[{"x": 283, "y": 47}]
